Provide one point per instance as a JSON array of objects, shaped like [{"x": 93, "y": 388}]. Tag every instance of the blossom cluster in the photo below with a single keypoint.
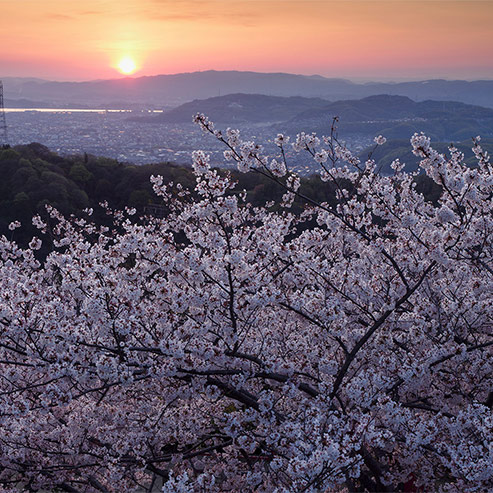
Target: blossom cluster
[{"x": 227, "y": 347}]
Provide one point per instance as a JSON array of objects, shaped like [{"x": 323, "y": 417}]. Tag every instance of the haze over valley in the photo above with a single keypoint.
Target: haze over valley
[
  {"x": 170, "y": 90},
  {"x": 139, "y": 131}
]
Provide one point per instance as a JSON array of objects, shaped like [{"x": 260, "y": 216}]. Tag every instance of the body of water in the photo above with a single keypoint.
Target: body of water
[{"x": 74, "y": 110}]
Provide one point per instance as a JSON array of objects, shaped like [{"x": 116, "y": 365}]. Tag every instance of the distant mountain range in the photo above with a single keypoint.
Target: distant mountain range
[
  {"x": 241, "y": 108},
  {"x": 168, "y": 90},
  {"x": 396, "y": 117}
]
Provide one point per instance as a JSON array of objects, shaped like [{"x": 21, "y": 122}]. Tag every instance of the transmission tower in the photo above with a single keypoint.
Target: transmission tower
[{"x": 4, "y": 141}]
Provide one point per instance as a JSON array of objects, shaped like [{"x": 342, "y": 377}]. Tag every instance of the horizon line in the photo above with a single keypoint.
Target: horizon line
[{"x": 353, "y": 79}]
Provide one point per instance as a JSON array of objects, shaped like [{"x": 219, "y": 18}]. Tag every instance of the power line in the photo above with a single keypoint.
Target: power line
[{"x": 4, "y": 140}]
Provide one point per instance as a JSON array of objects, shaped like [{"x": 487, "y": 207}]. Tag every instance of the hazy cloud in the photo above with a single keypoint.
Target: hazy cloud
[
  {"x": 92, "y": 12},
  {"x": 60, "y": 17},
  {"x": 236, "y": 11}
]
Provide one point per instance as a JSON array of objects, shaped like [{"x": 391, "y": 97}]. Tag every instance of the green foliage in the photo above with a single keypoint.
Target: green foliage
[
  {"x": 7, "y": 154},
  {"x": 79, "y": 198},
  {"x": 32, "y": 177},
  {"x": 139, "y": 198},
  {"x": 79, "y": 173}
]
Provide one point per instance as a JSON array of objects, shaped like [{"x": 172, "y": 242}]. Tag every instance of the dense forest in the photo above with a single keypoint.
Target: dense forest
[{"x": 33, "y": 176}]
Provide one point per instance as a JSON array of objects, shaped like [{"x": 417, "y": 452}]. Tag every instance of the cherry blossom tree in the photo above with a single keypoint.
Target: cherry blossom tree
[{"x": 233, "y": 348}]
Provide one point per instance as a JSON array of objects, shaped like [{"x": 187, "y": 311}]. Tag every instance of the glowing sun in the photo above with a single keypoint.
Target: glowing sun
[{"x": 127, "y": 65}]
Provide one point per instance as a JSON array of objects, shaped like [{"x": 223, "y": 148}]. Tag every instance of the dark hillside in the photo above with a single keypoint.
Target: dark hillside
[
  {"x": 33, "y": 176},
  {"x": 240, "y": 108},
  {"x": 398, "y": 117}
]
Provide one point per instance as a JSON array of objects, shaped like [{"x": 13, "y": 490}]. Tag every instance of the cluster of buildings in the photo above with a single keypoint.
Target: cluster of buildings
[{"x": 121, "y": 136}]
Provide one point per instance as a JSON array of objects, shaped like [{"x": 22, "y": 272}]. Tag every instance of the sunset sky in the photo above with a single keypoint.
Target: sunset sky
[{"x": 378, "y": 40}]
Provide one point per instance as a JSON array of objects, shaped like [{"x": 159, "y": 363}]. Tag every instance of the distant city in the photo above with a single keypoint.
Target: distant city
[
  {"x": 116, "y": 135},
  {"x": 148, "y": 119},
  {"x": 110, "y": 134}
]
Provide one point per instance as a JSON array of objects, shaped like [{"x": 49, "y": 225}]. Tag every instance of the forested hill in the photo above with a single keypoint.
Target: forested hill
[
  {"x": 241, "y": 108},
  {"x": 308, "y": 111},
  {"x": 396, "y": 117},
  {"x": 33, "y": 176}
]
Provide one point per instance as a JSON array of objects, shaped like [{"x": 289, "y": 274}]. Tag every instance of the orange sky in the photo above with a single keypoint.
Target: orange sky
[{"x": 398, "y": 39}]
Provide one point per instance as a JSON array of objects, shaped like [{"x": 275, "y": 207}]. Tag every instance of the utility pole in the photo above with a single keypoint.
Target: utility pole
[{"x": 4, "y": 140}]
